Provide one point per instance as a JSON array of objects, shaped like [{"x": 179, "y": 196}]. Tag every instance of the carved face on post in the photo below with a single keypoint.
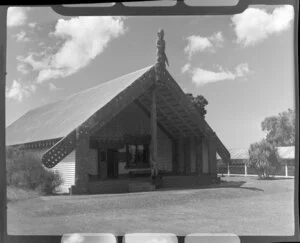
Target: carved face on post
[{"x": 160, "y": 34}]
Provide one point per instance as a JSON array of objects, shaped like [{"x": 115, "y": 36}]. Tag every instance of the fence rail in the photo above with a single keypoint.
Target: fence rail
[{"x": 286, "y": 170}]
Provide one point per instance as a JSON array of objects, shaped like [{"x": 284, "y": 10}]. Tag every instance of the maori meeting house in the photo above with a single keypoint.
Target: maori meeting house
[{"x": 138, "y": 132}]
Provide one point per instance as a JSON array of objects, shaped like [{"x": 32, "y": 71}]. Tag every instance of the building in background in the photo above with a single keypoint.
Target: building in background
[{"x": 239, "y": 157}]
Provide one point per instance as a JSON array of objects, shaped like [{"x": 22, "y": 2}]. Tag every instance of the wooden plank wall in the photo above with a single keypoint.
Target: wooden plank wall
[{"x": 66, "y": 169}]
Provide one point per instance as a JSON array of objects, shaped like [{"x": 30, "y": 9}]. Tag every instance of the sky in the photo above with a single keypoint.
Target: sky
[{"x": 242, "y": 64}]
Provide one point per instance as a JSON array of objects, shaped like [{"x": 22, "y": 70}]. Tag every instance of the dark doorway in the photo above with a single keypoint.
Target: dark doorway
[{"x": 112, "y": 163}]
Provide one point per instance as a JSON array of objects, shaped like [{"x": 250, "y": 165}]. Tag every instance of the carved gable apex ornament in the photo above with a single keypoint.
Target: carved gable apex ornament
[{"x": 161, "y": 57}]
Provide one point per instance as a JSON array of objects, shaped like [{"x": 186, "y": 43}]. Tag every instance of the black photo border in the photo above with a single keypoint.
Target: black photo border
[{"x": 179, "y": 9}]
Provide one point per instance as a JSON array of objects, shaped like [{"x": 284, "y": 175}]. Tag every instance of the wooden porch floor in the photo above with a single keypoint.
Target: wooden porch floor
[{"x": 124, "y": 184}]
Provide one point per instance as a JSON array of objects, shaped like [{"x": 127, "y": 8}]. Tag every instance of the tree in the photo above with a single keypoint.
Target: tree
[
  {"x": 263, "y": 157},
  {"x": 281, "y": 128},
  {"x": 25, "y": 170},
  {"x": 199, "y": 102}
]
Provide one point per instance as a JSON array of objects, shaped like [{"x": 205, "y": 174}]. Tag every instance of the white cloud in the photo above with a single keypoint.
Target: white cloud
[
  {"x": 36, "y": 65},
  {"x": 53, "y": 87},
  {"x": 201, "y": 76},
  {"x": 21, "y": 36},
  {"x": 186, "y": 68},
  {"x": 255, "y": 25},
  {"x": 217, "y": 38},
  {"x": 242, "y": 69},
  {"x": 32, "y": 24},
  {"x": 19, "y": 91},
  {"x": 22, "y": 68},
  {"x": 197, "y": 43},
  {"x": 84, "y": 38},
  {"x": 16, "y": 16}
]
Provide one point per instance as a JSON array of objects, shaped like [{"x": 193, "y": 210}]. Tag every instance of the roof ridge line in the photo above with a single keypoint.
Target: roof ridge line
[{"x": 106, "y": 82}]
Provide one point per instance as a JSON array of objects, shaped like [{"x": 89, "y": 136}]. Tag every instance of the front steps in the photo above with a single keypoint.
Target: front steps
[{"x": 140, "y": 186}]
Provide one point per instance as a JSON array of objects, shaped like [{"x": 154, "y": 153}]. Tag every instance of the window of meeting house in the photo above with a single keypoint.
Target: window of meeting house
[{"x": 137, "y": 155}]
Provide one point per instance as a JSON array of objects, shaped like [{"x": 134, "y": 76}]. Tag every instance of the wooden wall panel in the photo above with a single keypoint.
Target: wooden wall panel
[
  {"x": 205, "y": 158},
  {"x": 193, "y": 154},
  {"x": 180, "y": 154},
  {"x": 187, "y": 156},
  {"x": 199, "y": 156},
  {"x": 212, "y": 148}
]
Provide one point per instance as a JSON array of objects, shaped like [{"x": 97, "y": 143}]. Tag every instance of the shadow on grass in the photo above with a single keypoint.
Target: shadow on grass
[
  {"x": 238, "y": 184},
  {"x": 223, "y": 184},
  {"x": 275, "y": 178}
]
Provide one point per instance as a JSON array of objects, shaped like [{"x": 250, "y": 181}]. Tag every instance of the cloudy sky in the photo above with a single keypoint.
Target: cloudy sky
[{"x": 242, "y": 64}]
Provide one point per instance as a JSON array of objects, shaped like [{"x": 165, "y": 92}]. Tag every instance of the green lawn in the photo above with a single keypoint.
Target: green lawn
[{"x": 244, "y": 206}]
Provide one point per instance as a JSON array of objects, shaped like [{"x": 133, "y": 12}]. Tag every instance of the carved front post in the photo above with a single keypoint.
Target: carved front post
[
  {"x": 154, "y": 169},
  {"x": 160, "y": 65}
]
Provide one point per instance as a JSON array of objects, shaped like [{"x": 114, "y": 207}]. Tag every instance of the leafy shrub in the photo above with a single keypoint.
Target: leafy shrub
[
  {"x": 263, "y": 157},
  {"x": 16, "y": 194},
  {"x": 25, "y": 170}
]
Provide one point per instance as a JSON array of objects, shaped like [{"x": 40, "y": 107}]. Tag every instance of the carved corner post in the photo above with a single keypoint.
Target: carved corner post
[
  {"x": 81, "y": 161},
  {"x": 212, "y": 153}
]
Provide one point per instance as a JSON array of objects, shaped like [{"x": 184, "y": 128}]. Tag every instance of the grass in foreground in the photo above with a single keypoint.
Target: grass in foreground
[{"x": 246, "y": 206}]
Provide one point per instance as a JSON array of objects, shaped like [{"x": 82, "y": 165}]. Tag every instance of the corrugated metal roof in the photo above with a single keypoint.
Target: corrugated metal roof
[
  {"x": 283, "y": 152},
  {"x": 59, "y": 118},
  {"x": 237, "y": 154},
  {"x": 286, "y": 152}
]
